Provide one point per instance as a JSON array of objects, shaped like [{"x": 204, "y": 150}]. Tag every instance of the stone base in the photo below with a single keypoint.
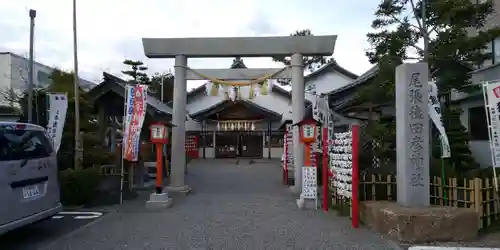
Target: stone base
[
  {"x": 306, "y": 203},
  {"x": 184, "y": 190},
  {"x": 296, "y": 190},
  {"x": 420, "y": 225},
  {"x": 159, "y": 201}
]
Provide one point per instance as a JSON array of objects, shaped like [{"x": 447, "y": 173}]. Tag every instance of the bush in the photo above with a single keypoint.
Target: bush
[{"x": 79, "y": 187}]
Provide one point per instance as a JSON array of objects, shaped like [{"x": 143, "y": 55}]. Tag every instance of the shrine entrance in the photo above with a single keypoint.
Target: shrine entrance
[
  {"x": 181, "y": 49},
  {"x": 238, "y": 144},
  {"x": 240, "y": 127}
]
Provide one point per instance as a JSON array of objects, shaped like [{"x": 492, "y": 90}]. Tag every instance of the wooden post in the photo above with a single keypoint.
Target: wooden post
[
  {"x": 488, "y": 207},
  {"x": 477, "y": 187}
]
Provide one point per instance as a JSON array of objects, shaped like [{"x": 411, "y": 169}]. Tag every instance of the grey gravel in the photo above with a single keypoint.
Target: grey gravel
[{"x": 242, "y": 206}]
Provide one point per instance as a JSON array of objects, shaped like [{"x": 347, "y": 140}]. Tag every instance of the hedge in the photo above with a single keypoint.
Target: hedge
[{"x": 79, "y": 187}]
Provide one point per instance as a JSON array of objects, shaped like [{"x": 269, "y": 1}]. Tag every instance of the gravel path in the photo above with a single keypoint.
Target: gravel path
[{"x": 236, "y": 207}]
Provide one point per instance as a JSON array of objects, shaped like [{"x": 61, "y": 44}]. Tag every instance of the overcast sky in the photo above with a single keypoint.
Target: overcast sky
[{"x": 111, "y": 30}]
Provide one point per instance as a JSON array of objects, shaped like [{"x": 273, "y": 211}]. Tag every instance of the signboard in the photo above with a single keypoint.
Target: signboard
[
  {"x": 492, "y": 104},
  {"x": 309, "y": 183}
]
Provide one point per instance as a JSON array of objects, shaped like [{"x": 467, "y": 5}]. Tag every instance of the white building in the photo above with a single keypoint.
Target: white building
[{"x": 14, "y": 75}]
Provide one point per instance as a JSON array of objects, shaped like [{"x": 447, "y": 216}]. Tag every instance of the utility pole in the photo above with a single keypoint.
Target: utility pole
[
  {"x": 78, "y": 150},
  {"x": 425, "y": 36},
  {"x": 425, "y": 31},
  {"x": 32, "y": 14}
]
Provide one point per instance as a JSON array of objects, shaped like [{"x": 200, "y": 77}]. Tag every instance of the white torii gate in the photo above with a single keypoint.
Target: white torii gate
[{"x": 183, "y": 48}]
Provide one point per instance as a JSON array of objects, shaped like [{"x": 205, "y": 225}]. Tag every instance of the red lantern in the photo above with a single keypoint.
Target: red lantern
[
  {"x": 308, "y": 131},
  {"x": 159, "y": 136},
  {"x": 158, "y": 133},
  {"x": 307, "y": 136}
]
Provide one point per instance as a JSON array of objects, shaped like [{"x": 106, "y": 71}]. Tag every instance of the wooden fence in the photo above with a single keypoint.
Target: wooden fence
[{"x": 477, "y": 193}]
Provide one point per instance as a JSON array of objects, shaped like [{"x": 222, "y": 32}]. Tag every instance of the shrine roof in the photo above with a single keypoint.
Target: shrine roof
[
  {"x": 332, "y": 66},
  {"x": 117, "y": 85},
  {"x": 218, "y": 107},
  {"x": 340, "y": 97}
]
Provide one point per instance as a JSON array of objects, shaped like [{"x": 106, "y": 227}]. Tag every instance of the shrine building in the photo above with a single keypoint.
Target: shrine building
[{"x": 218, "y": 127}]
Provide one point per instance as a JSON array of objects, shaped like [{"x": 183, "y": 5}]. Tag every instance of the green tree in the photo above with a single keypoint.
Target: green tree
[
  {"x": 157, "y": 79},
  {"x": 448, "y": 47},
  {"x": 94, "y": 153},
  {"x": 443, "y": 39},
  {"x": 459, "y": 138},
  {"x": 311, "y": 63},
  {"x": 137, "y": 72}
]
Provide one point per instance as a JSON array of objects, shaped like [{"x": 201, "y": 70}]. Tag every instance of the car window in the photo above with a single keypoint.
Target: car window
[{"x": 19, "y": 144}]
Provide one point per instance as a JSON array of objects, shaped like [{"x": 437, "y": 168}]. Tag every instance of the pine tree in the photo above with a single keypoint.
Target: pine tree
[
  {"x": 461, "y": 159},
  {"x": 137, "y": 72}
]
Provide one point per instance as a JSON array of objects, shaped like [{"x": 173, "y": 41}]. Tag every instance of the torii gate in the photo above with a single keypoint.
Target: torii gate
[{"x": 183, "y": 48}]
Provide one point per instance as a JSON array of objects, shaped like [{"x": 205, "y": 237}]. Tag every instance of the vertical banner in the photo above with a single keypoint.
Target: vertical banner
[
  {"x": 58, "y": 106},
  {"x": 135, "y": 112},
  {"x": 492, "y": 104},
  {"x": 491, "y": 93},
  {"x": 436, "y": 116}
]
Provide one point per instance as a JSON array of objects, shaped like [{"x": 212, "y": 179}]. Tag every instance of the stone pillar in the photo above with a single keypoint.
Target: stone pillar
[
  {"x": 412, "y": 133},
  {"x": 179, "y": 130},
  {"x": 298, "y": 112}
]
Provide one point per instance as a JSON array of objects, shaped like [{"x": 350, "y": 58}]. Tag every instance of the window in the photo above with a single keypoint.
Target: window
[
  {"x": 488, "y": 50},
  {"x": 492, "y": 48},
  {"x": 19, "y": 144},
  {"x": 478, "y": 127},
  {"x": 496, "y": 50}
]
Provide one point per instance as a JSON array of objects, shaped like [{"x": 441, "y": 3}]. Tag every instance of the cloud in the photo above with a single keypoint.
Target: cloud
[
  {"x": 260, "y": 25},
  {"x": 110, "y": 31}
]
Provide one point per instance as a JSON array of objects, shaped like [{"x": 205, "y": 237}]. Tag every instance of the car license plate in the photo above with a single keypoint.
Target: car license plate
[{"x": 31, "y": 192}]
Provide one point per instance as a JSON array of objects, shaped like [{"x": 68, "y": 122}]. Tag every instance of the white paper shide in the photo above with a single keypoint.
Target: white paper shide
[{"x": 341, "y": 163}]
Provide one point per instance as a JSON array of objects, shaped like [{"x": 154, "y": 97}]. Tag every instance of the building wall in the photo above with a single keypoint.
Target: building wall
[
  {"x": 275, "y": 102},
  {"x": 480, "y": 148},
  {"x": 14, "y": 71},
  {"x": 5, "y": 75},
  {"x": 325, "y": 83}
]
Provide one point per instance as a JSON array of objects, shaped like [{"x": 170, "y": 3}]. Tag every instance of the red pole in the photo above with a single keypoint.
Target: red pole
[
  {"x": 355, "y": 176},
  {"x": 285, "y": 161},
  {"x": 159, "y": 168},
  {"x": 324, "y": 165}
]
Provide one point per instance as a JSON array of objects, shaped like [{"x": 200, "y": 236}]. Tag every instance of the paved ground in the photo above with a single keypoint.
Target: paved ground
[
  {"x": 240, "y": 206},
  {"x": 43, "y": 233}
]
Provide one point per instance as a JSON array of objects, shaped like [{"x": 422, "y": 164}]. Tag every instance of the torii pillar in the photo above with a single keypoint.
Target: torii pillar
[{"x": 217, "y": 47}]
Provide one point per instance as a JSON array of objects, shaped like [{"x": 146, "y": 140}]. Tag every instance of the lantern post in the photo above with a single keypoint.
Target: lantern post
[
  {"x": 159, "y": 137},
  {"x": 307, "y": 130}
]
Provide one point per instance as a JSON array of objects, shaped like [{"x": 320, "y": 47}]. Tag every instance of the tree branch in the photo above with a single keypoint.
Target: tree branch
[
  {"x": 401, "y": 22},
  {"x": 421, "y": 28}
]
